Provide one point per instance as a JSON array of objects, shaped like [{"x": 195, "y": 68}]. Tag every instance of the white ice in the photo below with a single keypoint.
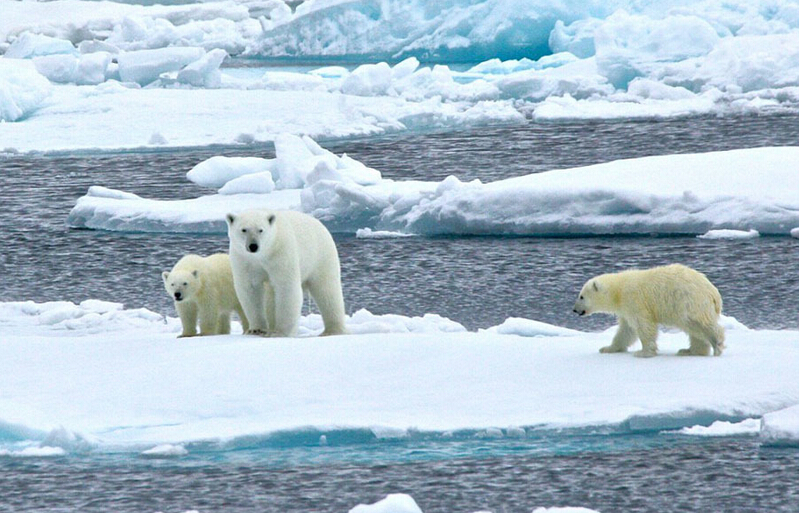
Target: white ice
[
  {"x": 724, "y": 428},
  {"x": 730, "y": 234},
  {"x": 120, "y": 379},
  {"x": 682, "y": 194}
]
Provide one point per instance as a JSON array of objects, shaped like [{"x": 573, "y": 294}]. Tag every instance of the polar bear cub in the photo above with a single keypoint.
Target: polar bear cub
[
  {"x": 673, "y": 295},
  {"x": 202, "y": 288},
  {"x": 290, "y": 252}
]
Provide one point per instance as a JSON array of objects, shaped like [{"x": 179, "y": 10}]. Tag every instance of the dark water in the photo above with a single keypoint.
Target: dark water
[
  {"x": 728, "y": 475},
  {"x": 478, "y": 281}
]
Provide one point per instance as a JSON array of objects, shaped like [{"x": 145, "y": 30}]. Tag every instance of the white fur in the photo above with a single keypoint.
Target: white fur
[
  {"x": 673, "y": 295},
  {"x": 202, "y": 288},
  {"x": 275, "y": 256}
]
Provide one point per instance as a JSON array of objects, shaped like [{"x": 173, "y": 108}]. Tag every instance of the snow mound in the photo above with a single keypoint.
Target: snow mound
[
  {"x": 781, "y": 427},
  {"x": 22, "y": 89},
  {"x": 393, "y": 503},
  {"x": 530, "y": 328},
  {"x": 724, "y": 428},
  {"x": 165, "y": 451},
  {"x": 730, "y": 234}
]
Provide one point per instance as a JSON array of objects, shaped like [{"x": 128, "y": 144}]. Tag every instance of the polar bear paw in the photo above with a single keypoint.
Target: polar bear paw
[
  {"x": 260, "y": 333},
  {"x": 643, "y": 353},
  {"x": 613, "y": 349}
]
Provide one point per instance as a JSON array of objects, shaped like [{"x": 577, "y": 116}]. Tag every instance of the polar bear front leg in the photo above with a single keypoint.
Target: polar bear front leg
[
  {"x": 648, "y": 333},
  {"x": 188, "y": 318},
  {"x": 252, "y": 297},
  {"x": 624, "y": 338},
  {"x": 288, "y": 307}
]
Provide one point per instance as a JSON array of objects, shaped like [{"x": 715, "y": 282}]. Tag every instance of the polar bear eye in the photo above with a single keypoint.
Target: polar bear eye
[
  {"x": 244, "y": 230},
  {"x": 185, "y": 283},
  {"x": 261, "y": 230},
  {"x": 581, "y": 297}
]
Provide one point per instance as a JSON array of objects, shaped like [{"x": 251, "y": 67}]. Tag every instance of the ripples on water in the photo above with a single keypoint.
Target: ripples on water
[
  {"x": 729, "y": 475},
  {"x": 478, "y": 281}
]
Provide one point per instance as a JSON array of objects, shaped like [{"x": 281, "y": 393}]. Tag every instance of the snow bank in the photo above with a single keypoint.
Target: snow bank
[
  {"x": 165, "y": 451},
  {"x": 781, "y": 427},
  {"x": 144, "y": 388},
  {"x": 22, "y": 89},
  {"x": 682, "y": 194}
]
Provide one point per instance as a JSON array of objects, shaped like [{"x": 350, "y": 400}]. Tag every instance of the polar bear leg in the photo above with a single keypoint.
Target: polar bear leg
[
  {"x": 223, "y": 324},
  {"x": 188, "y": 318},
  {"x": 252, "y": 297},
  {"x": 699, "y": 347},
  {"x": 269, "y": 294},
  {"x": 710, "y": 334},
  {"x": 624, "y": 338},
  {"x": 648, "y": 333},
  {"x": 287, "y": 306},
  {"x": 209, "y": 320},
  {"x": 245, "y": 325},
  {"x": 329, "y": 300}
]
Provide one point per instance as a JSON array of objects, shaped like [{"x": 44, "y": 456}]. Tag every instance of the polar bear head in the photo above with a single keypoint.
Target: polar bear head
[
  {"x": 181, "y": 283},
  {"x": 592, "y": 298},
  {"x": 251, "y": 231}
]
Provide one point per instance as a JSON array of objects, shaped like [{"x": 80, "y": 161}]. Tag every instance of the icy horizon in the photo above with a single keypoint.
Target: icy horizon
[{"x": 104, "y": 65}]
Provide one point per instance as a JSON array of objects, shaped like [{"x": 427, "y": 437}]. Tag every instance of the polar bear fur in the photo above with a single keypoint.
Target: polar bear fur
[
  {"x": 290, "y": 252},
  {"x": 673, "y": 295},
  {"x": 202, "y": 288}
]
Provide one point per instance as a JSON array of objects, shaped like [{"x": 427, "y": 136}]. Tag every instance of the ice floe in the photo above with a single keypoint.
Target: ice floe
[
  {"x": 714, "y": 194},
  {"x": 142, "y": 387}
]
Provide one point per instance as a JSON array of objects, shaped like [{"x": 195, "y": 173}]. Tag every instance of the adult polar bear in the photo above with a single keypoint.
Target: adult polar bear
[
  {"x": 276, "y": 255},
  {"x": 672, "y": 295},
  {"x": 202, "y": 288}
]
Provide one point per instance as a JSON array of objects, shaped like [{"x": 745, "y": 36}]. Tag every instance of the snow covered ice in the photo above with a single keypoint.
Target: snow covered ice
[
  {"x": 683, "y": 194},
  {"x": 147, "y": 391}
]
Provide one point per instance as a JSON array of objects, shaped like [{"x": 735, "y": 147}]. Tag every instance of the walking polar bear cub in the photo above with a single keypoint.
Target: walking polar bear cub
[
  {"x": 202, "y": 288},
  {"x": 673, "y": 295},
  {"x": 275, "y": 256}
]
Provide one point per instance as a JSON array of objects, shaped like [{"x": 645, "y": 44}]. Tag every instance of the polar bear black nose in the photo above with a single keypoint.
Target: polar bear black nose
[
  {"x": 178, "y": 296},
  {"x": 253, "y": 247}
]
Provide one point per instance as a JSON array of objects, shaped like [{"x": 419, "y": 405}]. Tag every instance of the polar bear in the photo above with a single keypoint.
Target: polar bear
[
  {"x": 292, "y": 252},
  {"x": 202, "y": 288},
  {"x": 673, "y": 295}
]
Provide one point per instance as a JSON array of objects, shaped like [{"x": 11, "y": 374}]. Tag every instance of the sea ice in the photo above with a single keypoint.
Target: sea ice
[{"x": 683, "y": 194}]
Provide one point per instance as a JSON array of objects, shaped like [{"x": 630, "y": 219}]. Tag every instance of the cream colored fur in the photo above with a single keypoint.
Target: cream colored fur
[
  {"x": 202, "y": 288},
  {"x": 673, "y": 296}
]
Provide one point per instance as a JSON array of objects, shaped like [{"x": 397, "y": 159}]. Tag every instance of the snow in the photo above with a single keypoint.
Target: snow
[
  {"x": 22, "y": 90},
  {"x": 781, "y": 427},
  {"x": 724, "y": 428},
  {"x": 683, "y": 194},
  {"x": 393, "y": 503},
  {"x": 730, "y": 234},
  {"x": 164, "y": 451},
  {"x": 142, "y": 388}
]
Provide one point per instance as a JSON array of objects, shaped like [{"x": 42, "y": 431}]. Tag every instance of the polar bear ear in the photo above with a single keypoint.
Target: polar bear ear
[
  {"x": 165, "y": 276},
  {"x": 195, "y": 273},
  {"x": 596, "y": 286},
  {"x": 230, "y": 218},
  {"x": 271, "y": 219}
]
